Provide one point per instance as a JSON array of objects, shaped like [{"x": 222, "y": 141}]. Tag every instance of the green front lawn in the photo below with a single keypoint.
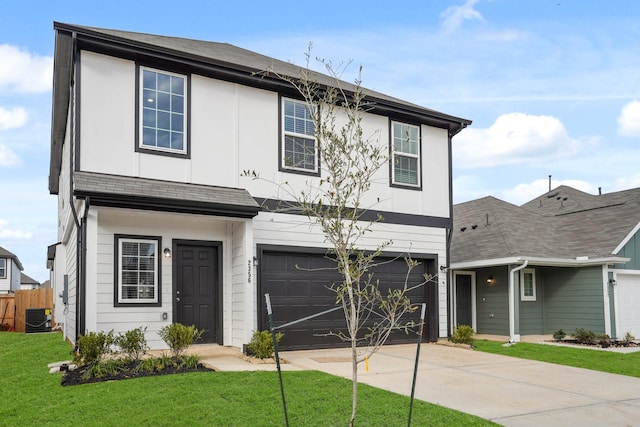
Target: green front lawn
[
  {"x": 32, "y": 396},
  {"x": 605, "y": 361}
]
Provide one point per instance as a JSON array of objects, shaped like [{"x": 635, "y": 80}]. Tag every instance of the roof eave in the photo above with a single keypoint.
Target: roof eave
[{"x": 540, "y": 261}]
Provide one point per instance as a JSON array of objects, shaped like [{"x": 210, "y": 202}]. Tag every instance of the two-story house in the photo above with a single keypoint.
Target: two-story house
[
  {"x": 157, "y": 224},
  {"x": 10, "y": 271}
]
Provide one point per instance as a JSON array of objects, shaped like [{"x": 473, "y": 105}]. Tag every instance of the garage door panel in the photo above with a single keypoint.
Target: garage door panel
[
  {"x": 302, "y": 291},
  {"x": 628, "y": 305}
]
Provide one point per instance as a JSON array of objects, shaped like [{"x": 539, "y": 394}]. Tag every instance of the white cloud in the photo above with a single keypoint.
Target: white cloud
[
  {"x": 22, "y": 71},
  {"x": 13, "y": 118},
  {"x": 8, "y": 157},
  {"x": 9, "y": 233},
  {"x": 454, "y": 16},
  {"x": 514, "y": 138},
  {"x": 626, "y": 182},
  {"x": 523, "y": 193},
  {"x": 629, "y": 119}
]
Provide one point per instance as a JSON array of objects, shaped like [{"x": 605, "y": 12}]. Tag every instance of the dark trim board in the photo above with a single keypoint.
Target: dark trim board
[
  {"x": 300, "y": 292},
  {"x": 274, "y": 205}
]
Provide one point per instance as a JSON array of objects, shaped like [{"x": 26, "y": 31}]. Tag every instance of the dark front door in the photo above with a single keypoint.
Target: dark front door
[
  {"x": 197, "y": 288},
  {"x": 463, "y": 300}
]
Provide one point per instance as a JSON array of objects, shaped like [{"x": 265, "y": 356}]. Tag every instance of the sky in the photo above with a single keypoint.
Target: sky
[{"x": 552, "y": 86}]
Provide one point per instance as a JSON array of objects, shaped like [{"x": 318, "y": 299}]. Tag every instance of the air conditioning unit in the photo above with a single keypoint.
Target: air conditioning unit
[{"x": 37, "y": 320}]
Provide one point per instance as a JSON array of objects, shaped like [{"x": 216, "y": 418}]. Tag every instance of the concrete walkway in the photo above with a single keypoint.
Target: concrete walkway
[{"x": 506, "y": 390}]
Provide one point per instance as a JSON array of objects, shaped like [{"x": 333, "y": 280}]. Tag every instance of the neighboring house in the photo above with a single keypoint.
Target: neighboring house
[
  {"x": 150, "y": 138},
  {"x": 564, "y": 260},
  {"x": 27, "y": 282},
  {"x": 10, "y": 271}
]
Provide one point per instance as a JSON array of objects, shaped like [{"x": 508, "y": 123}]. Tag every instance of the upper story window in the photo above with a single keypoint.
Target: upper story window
[
  {"x": 163, "y": 111},
  {"x": 3, "y": 268},
  {"x": 299, "y": 150},
  {"x": 528, "y": 284},
  {"x": 405, "y": 158},
  {"x": 137, "y": 269}
]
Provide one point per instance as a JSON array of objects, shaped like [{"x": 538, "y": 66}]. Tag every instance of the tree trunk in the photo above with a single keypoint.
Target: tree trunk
[{"x": 354, "y": 380}]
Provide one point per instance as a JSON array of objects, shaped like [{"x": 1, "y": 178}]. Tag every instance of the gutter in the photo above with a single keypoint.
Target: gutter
[{"x": 513, "y": 338}]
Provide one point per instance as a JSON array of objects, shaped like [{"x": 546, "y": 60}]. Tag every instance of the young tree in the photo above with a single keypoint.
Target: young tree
[{"x": 334, "y": 202}]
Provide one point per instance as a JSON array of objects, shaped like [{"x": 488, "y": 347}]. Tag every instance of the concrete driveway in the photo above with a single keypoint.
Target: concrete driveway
[{"x": 506, "y": 390}]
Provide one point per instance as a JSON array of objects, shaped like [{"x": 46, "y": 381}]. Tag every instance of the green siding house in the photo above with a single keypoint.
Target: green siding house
[{"x": 564, "y": 260}]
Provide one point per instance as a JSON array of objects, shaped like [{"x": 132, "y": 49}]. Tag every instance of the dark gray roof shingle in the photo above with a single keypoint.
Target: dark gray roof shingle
[
  {"x": 9, "y": 255},
  {"x": 564, "y": 223}
]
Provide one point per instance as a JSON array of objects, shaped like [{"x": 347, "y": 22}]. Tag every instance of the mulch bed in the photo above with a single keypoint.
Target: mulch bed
[
  {"x": 74, "y": 377},
  {"x": 613, "y": 343}
]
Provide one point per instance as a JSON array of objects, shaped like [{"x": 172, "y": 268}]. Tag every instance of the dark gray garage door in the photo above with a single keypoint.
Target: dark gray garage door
[{"x": 298, "y": 292}]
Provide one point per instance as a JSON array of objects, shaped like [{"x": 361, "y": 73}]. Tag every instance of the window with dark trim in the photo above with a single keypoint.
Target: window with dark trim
[
  {"x": 162, "y": 112},
  {"x": 299, "y": 149},
  {"x": 405, "y": 155},
  {"x": 3, "y": 268},
  {"x": 137, "y": 270}
]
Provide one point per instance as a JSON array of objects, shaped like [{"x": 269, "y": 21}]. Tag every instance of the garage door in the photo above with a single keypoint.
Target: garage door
[
  {"x": 628, "y": 305},
  {"x": 298, "y": 284}
]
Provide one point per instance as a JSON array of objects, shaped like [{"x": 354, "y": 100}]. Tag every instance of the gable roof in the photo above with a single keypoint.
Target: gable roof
[
  {"x": 9, "y": 255},
  {"x": 219, "y": 60},
  {"x": 564, "y": 225},
  {"x": 26, "y": 280}
]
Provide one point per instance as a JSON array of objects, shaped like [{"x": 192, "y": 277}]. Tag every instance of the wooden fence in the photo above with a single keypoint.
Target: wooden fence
[
  {"x": 7, "y": 311},
  {"x": 18, "y": 303}
]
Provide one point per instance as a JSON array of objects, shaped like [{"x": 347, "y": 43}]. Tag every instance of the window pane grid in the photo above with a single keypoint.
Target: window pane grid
[
  {"x": 299, "y": 151},
  {"x": 406, "y": 154},
  {"x": 163, "y": 106},
  {"x": 138, "y": 274}
]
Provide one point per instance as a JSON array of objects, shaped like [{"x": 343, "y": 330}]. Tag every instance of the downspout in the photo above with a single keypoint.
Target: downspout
[{"x": 512, "y": 304}]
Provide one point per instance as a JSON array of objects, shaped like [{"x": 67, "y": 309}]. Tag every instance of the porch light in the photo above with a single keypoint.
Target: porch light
[
  {"x": 491, "y": 281},
  {"x": 167, "y": 253}
]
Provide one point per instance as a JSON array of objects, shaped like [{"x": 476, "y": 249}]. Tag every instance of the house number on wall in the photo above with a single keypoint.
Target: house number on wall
[{"x": 249, "y": 271}]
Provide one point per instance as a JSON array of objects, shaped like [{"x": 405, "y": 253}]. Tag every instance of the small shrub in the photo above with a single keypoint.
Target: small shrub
[
  {"x": 584, "y": 336},
  {"x": 179, "y": 337},
  {"x": 109, "y": 367},
  {"x": 93, "y": 346},
  {"x": 463, "y": 334},
  {"x": 133, "y": 343},
  {"x": 604, "y": 340},
  {"x": 628, "y": 338},
  {"x": 261, "y": 344},
  {"x": 188, "y": 361},
  {"x": 559, "y": 335}
]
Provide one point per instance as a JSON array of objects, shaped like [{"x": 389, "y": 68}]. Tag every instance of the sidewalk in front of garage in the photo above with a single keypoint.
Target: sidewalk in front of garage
[{"x": 506, "y": 390}]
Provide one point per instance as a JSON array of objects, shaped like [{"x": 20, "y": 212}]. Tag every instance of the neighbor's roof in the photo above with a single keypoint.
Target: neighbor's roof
[
  {"x": 26, "y": 280},
  {"x": 564, "y": 223},
  {"x": 220, "y": 60},
  {"x": 6, "y": 254}
]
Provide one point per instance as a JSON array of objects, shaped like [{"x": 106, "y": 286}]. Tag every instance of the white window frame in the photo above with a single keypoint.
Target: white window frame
[
  {"x": 3, "y": 268},
  {"x": 141, "y": 105},
  {"x": 395, "y": 154},
  {"x": 156, "y": 273},
  {"x": 523, "y": 272},
  {"x": 285, "y": 134}
]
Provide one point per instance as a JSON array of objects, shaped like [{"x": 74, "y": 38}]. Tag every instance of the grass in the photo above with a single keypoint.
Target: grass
[
  {"x": 605, "y": 361},
  {"x": 32, "y": 396}
]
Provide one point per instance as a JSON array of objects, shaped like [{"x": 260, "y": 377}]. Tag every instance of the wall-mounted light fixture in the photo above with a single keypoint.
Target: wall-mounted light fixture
[
  {"x": 167, "y": 253},
  {"x": 491, "y": 281},
  {"x": 613, "y": 282}
]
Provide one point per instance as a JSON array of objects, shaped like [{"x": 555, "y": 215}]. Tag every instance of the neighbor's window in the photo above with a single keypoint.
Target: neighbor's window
[
  {"x": 163, "y": 110},
  {"x": 137, "y": 269},
  {"x": 299, "y": 145},
  {"x": 405, "y": 169},
  {"x": 528, "y": 284},
  {"x": 3, "y": 268}
]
